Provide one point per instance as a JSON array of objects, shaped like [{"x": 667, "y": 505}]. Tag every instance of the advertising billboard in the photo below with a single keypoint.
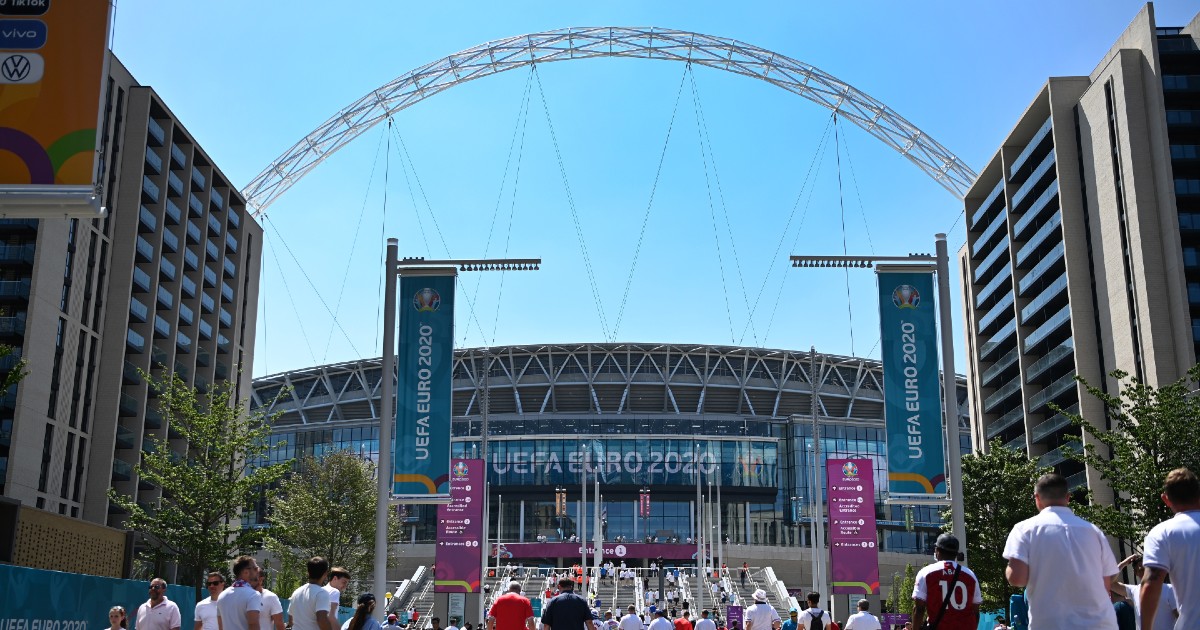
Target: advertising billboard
[
  {"x": 911, "y": 383},
  {"x": 460, "y": 531},
  {"x": 853, "y": 552},
  {"x": 424, "y": 363},
  {"x": 53, "y": 69}
]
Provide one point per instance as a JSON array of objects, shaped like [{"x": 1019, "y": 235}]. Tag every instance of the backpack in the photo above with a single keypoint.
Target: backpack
[{"x": 816, "y": 622}]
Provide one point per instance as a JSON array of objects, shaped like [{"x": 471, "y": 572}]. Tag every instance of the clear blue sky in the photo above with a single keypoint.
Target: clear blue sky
[{"x": 249, "y": 79}]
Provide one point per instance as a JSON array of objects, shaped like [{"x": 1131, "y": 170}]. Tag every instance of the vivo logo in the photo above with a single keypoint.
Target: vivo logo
[{"x": 22, "y": 34}]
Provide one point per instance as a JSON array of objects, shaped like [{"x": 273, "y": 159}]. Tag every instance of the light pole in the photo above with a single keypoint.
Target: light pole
[
  {"x": 387, "y": 412},
  {"x": 949, "y": 389}
]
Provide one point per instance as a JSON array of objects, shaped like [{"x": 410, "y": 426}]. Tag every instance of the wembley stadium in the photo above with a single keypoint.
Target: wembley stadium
[{"x": 649, "y": 418}]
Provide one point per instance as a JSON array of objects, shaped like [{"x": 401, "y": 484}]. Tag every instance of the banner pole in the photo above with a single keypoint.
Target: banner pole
[
  {"x": 387, "y": 416},
  {"x": 950, "y": 393},
  {"x": 818, "y": 501}
]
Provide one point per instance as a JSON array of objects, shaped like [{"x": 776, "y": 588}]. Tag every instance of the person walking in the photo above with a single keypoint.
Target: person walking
[
  {"x": 363, "y": 619},
  {"x": 117, "y": 619},
  {"x": 206, "y": 609},
  {"x": 660, "y": 621},
  {"x": 511, "y": 611},
  {"x": 309, "y": 604},
  {"x": 792, "y": 622},
  {"x": 1064, "y": 562},
  {"x": 761, "y": 615},
  {"x": 339, "y": 578},
  {"x": 158, "y": 612},
  {"x": 863, "y": 619},
  {"x": 813, "y": 618},
  {"x": 684, "y": 622},
  {"x": 631, "y": 621},
  {"x": 945, "y": 591},
  {"x": 744, "y": 572},
  {"x": 240, "y": 604},
  {"x": 567, "y": 611},
  {"x": 1173, "y": 547},
  {"x": 271, "y": 615},
  {"x": 704, "y": 623}
]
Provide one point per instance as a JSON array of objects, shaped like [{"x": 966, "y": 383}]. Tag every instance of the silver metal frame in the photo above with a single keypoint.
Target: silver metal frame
[{"x": 586, "y": 43}]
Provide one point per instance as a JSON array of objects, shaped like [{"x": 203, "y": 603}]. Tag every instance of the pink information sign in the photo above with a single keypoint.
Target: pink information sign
[{"x": 854, "y": 553}]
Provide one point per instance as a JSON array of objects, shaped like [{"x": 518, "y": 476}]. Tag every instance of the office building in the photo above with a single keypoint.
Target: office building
[
  {"x": 1082, "y": 244},
  {"x": 166, "y": 283}
]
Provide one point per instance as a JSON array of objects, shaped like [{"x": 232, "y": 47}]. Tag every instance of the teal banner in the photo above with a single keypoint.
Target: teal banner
[
  {"x": 425, "y": 362},
  {"x": 35, "y": 599},
  {"x": 911, "y": 384}
]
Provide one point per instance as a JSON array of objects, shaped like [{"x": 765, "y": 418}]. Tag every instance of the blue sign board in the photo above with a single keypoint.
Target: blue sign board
[
  {"x": 22, "y": 34},
  {"x": 425, "y": 364},
  {"x": 911, "y": 382}
]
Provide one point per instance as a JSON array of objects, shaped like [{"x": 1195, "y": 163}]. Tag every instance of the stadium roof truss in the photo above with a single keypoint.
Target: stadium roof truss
[
  {"x": 614, "y": 378},
  {"x": 586, "y": 43}
]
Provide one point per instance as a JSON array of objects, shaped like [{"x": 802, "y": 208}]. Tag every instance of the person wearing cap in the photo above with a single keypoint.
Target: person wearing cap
[
  {"x": 813, "y": 614},
  {"x": 762, "y": 616},
  {"x": 568, "y": 610},
  {"x": 945, "y": 591},
  {"x": 1065, "y": 563},
  {"x": 704, "y": 623},
  {"x": 393, "y": 622},
  {"x": 363, "y": 619},
  {"x": 863, "y": 619},
  {"x": 511, "y": 611},
  {"x": 791, "y": 622}
]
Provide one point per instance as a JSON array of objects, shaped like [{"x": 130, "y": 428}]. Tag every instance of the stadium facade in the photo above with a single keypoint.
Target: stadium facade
[{"x": 646, "y": 417}]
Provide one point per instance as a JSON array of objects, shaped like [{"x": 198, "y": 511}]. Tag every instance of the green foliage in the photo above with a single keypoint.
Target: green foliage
[
  {"x": 15, "y": 374},
  {"x": 209, "y": 476},
  {"x": 1149, "y": 432},
  {"x": 900, "y": 595},
  {"x": 997, "y": 494},
  {"x": 326, "y": 507}
]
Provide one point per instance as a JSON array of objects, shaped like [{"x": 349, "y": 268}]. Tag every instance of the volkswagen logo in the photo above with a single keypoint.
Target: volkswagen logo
[{"x": 15, "y": 68}]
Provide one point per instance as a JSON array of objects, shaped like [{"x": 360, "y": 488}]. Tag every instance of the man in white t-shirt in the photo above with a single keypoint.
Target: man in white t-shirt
[
  {"x": 309, "y": 605},
  {"x": 704, "y": 623},
  {"x": 158, "y": 612},
  {"x": 453, "y": 624},
  {"x": 1168, "y": 609},
  {"x": 631, "y": 621},
  {"x": 863, "y": 619},
  {"x": 1065, "y": 563},
  {"x": 206, "y": 609},
  {"x": 1173, "y": 547},
  {"x": 338, "y": 579},
  {"x": 660, "y": 621},
  {"x": 240, "y": 604},
  {"x": 761, "y": 615},
  {"x": 808, "y": 615},
  {"x": 271, "y": 615}
]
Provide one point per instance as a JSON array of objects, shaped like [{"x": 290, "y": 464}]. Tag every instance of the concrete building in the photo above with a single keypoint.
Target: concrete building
[
  {"x": 1082, "y": 236},
  {"x": 168, "y": 282}
]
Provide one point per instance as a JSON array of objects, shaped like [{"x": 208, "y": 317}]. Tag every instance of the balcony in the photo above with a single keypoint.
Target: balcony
[
  {"x": 170, "y": 241},
  {"x": 1058, "y": 421},
  {"x": 217, "y": 200},
  {"x": 1034, "y": 144},
  {"x": 231, "y": 243},
  {"x": 226, "y": 318},
  {"x": 175, "y": 184},
  {"x": 226, "y": 291},
  {"x": 162, "y": 329},
  {"x": 998, "y": 254},
  {"x": 130, "y": 374},
  {"x": 1055, "y": 357},
  {"x": 993, "y": 202},
  {"x": 1033, "y": 216},
  {"x": 1052, "y": 325},
  {"x": 14, "y": 289},
  {"x": 22, "y": 225},
  {"x": 203, "y": 357},
  {"x": 141, "y": 280},
  {"x": 235, "y": 219},
  {"x": 178, "y": 159},
  {"x": 194, "y": 205},
  {"x": 186, "y": 315},
  {"x": 213, "y": 251},
  {"x": 214, "y": 225},
  {"x": 154, "y": 419},
  {"x": 193, "y": 232},
  {"x": 207, "y": 304},
  {"x": 1017, "y": 443},
  {"x": 125, "y": 437},
  {"x": 128, "y": 406},
  {"x": 135, "y": 342},
  {"x": 222, "y": 372},
  {"x": 173, "y": 212},
  {"x": 1049, "y": 228},
  {"x": 137, "y": 310},
  {"x": 1002, "y": 365},
  {"x": 985, "y": 238},
  {"x": 183, "y": 342},
  {"x": 154, "y": 133},
  {"x": 149, "y": 190},
  {"x": 222, "y": 344},
  {"x": 144, "y": 249},
  {"x": 210, "y": 277},
  {"x": 1004, "y": 422},
  {"x": 1052, "y": 259},
  {"x": 166, "y": 269},
  {"x": 17, "y": 254},
  {"x": 986, "y": 294},
  {"x": 198, "y": 180},
  {"x": 1064, "y": 384},
  {"x": 191, "y": 260},
  {"x": 1003, "y": 307},
  {"x": 1004, "y": 393},
  {"x": 1035, "y": 179},
  {"x": 1078, "y": 480},
  {"x": 159, "y": 356},
  {"x": 992, "y": 345},
  {"x": 205, "y": 329},
  {"x": 1060, "y": 454},
  {"x": 230, "y": 268},
  {"x": 121, "y": 470},
  {"x": 1049, "y": 296},
  {"x": 165, "y": 298},
  {"x": 12, "y": 327},
  {"x": 189, "y": 286},
  {"x": 153, "y": 161}
]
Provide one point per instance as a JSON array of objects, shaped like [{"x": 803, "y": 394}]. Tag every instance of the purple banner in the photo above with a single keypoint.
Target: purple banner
[
  {"x": 733, "y": 616},
  {"x": 854, "y": 556},
  {"x": 612, "y": 550},
  {"x": 891, "y": 621},
  {"x": 459, "y": 530}
]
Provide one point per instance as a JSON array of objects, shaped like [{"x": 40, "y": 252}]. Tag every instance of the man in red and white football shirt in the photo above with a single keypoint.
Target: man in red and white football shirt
[{"x": 936, "y": 585}]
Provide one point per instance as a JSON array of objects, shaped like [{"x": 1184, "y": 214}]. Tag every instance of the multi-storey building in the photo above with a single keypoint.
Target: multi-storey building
[
  {"x": 1082, "y": 244},
  {"x": 166, "y": 283}
]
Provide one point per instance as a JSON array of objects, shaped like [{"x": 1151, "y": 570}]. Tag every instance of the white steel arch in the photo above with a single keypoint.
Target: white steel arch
[{"x": 585, "y": 43}]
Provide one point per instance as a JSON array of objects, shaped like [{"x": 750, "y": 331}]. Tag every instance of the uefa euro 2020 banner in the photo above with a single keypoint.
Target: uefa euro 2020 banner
[
  {"x": 911, "y": 383},
  {"x": 421, "y": 466},
  {"x": 53, "y": 56}
]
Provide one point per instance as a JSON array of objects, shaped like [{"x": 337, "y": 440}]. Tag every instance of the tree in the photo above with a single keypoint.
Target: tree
[
  {"x": 326, "y": 507},
  {"x": 997, "y": 494},
  {"x": 15, "y": 373},
  {"x": 207, "y": 487},
  {"x": 1147, "y": 433},
  {"x": 900, "y": 595}
]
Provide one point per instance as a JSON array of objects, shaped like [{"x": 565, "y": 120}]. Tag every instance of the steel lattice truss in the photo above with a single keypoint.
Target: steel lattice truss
[
  {"x": 608, "y": 378},
  {"x": 585, "y": 43}
]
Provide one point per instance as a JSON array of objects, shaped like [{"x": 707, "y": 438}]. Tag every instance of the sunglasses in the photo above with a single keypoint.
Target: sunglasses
[
  {"x": 217, "y": 583},
  {"x": 156, "y": 587}
]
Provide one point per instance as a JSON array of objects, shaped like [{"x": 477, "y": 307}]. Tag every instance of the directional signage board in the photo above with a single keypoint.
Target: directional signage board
[
  {"x": 460, "y": 530},
  {"x": 854, "y": 555}
]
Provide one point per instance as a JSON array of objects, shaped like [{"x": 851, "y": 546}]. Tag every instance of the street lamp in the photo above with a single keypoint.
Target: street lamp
[{"x": 949, "y": 387}]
